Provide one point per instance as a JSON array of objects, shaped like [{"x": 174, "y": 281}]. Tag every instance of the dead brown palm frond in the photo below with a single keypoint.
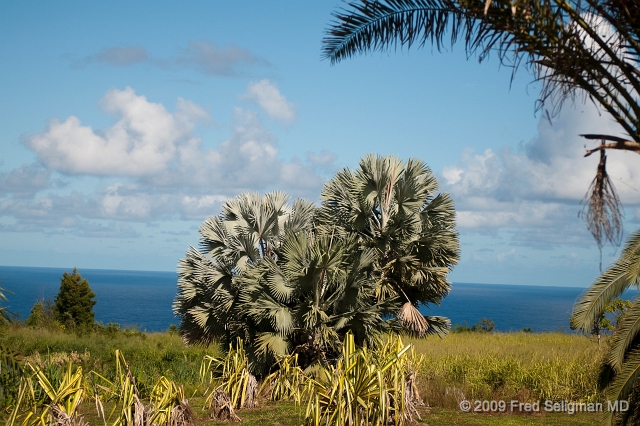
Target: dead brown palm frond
[
  {"x": 222, "y": 408},
  {"x": 182, "y": 414},
  {"x": 59, "y": 417},
  {"x": 603, "y": 212},
  {"x": 412, "y": 320}
]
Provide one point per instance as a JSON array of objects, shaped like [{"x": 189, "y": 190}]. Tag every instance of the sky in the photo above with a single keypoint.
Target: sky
[{"x": 123, "y": 125}]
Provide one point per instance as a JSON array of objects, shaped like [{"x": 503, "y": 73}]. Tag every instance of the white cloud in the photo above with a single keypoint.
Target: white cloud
[
  {"x": 202, "y": 55},
  {"x": 267, "y": 95},
  {"x": 25, "y": 181},
  {"x": 542, "y": 185},
  {"x": 144, "y": 140}
]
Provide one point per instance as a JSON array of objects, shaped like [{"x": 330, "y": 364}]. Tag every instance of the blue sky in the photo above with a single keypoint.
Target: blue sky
[{"x": 123, "y": 126}]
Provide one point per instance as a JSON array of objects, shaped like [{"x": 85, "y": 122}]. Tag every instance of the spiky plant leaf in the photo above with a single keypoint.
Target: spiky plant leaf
[
  {"x": 624, "y": 273},
  {"x": 625, "y": 334},
  {"x": 623, "y": 382}
]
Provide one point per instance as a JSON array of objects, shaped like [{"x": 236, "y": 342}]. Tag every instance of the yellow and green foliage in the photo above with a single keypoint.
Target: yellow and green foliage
[
  {"x": 523, "y": 366},
  {"x": 233, "y": 373},
  {"x": 364, "y": 387},
  {"x": 58, "y": 405},
  {"x": 168, "y": 405},
  {"x": 48, "y": 403},
  {"x": 287, "y": 382}
]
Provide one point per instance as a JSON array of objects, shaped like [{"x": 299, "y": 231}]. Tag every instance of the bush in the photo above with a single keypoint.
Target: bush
[{"x": 43, "y": 315}]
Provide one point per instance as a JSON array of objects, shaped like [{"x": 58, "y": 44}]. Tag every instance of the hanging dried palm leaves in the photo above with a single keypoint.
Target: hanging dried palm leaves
[
  {"x": 603, "y": 211},
  {"x": 412, "y": 320}
]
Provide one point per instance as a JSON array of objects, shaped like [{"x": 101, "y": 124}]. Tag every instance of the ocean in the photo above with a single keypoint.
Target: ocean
[{"x": 143, "y": 299}]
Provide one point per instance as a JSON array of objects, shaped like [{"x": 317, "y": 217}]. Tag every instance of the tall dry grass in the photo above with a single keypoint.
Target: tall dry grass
[{"x": 504, "y": 366}]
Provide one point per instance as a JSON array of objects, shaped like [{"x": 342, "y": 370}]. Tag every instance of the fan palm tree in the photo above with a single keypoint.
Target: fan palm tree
[
  {"x": 391, "y": 207},
  {"x": 304, "y": 302},
  {"x": 286, "y": 279},
  {"x": 622, "y": 364},
  {"x": 266, "y": 275},
  {"x": 586, "y": 48},
  {"x": 249, "y": 230}
]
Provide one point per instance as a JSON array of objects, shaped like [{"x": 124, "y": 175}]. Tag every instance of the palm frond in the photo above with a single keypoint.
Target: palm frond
[
  {"x": 575, "y": 48},
  {"x": 412, "y": 320},
  {"x": 438, "y": 325},
  {"x": 603, "y": 210},
  {"x": 613, "y": 282},
  {"x": 379, "y": 25},
  {"x": 301, "y": 216},
  {"x": 626, "y": 331},
  {"x": 272, "y": 343},
  {"x": 623, "y": 383}
]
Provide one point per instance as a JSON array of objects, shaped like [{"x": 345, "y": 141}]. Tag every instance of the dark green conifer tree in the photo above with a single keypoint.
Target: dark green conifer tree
[{"x": 74, "y": 302}]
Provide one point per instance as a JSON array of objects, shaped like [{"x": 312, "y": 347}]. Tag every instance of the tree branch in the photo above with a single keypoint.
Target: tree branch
[{"x": 618, "y": 143}]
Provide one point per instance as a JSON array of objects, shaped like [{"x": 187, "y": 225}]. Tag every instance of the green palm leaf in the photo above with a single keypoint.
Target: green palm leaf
[
  {"x": 624, "y": 273},
  {"x": 625, "y": 334},
  {"x": 623, "y": 383},
  {"x": 376, "y": 25},
  {"x": 272, "y": 343}
]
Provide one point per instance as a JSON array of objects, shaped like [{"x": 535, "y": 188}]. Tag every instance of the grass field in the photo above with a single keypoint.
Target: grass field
[
  {"x": 504, "y": 366},
  {"x": 474, "y": 366}
]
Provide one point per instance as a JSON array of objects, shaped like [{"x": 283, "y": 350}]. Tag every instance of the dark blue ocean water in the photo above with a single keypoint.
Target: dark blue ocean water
[
  {"x": 130, "y": 298},
  {"x": 510, "y": 307},
  {"x": 143, "y": 299}
]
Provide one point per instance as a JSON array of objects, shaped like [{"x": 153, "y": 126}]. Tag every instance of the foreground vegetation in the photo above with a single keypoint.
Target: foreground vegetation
[{"x": 493, "y": 366}]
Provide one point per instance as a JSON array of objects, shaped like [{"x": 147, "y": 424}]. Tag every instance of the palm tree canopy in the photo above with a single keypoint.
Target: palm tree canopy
[
  {"x": 249, "y": 228},
  {"x": 392, "y": 207},
  {"x": 592, "y": 45}
]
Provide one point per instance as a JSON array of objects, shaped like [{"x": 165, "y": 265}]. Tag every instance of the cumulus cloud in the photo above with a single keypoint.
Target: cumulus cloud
[
  {"x": 267, "y": 95},
  {"x": 541, "y": 185},
  {"x": 144, "y": 140},
  {"x": 209, "y": 58}
]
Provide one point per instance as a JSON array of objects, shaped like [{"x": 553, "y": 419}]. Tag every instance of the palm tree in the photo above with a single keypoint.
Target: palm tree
[
  {"x": 295, "y": 279},
  {"x": 250, "y": 229},
  {"x": 576, "y": 48},
  {"x": 267, "y": 275},
  {"x": 622, "y": 364},
  {"x": 304, "y": 302},
  {"x": 585, "y": 48},
  {"x": 392, "y": 208}
]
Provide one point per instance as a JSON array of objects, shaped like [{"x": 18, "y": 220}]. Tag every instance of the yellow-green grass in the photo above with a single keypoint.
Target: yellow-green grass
[
  {"x": 150, "y": 355},
  {"x": 504, "y": 366},
  {"x": 453, "y": 417}
]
